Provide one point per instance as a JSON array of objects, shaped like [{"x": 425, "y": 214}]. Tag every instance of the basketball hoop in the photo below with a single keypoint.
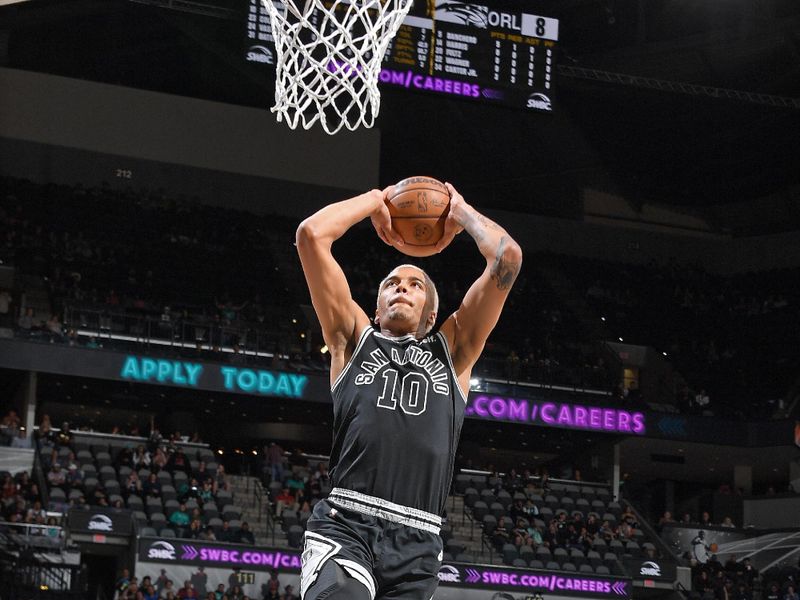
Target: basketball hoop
[{"x": 329, "y": 55}]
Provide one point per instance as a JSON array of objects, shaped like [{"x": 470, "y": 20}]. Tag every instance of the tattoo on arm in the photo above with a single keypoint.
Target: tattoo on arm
[{"x": 503, "y": 272}]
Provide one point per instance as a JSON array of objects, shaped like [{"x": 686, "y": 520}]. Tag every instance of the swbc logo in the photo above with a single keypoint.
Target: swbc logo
[
  {"x": 449, "y": 574},
  {"x": 650, "y": 569},
  {"x": 100, "y": 523},
  {"x": 539, "y": 102},
  {"x": 260, "y": 54},
  {"x": 161, "y": 550}
]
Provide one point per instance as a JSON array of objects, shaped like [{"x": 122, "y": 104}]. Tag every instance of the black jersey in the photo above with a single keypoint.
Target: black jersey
[{"x": 398, "y": 412}]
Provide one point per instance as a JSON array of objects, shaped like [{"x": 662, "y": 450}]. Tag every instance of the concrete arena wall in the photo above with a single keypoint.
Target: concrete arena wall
[{"x": 121, "y": 121}]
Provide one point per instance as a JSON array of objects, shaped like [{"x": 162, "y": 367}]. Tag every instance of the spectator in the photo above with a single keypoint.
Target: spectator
[
  {"x": 199, "y": 581},
  {"x": 791, "y": 594},
  {"x": 275, "y": 461},
  {"x": 220, "y": 592},
  {"x": 180, "y": 517},
  {"x": 226, "y": 534},
  {"x": 288, "y": 593},
  {"x": 161, "y": 581},
  {"x": 56, "y": 476},
  {"x": 244, "y": 535},
  {"x": 236, "y": 592},
  {"x": 141, "y": 458},
  {"x": 22, "y": 440},
  {"x": 5, "y": 308},
  {"x": 26, "y": 321},
  {"x": 167, "y": 589},
  {"x": 727, "y": 522},
  {"x": 187, "y": 591},
  {"x": 152, "y": 487}
]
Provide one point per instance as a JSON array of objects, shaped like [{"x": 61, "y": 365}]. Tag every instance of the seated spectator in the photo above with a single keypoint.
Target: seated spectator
[
  {"x": 178, "y": 462},
  {"x": 501, "y": 534},
  {"x": 195, "y": 530},
  {"x": 189, "y": 489},
  {"x": 74, "y": 476},
  {"x": 26, "y": 321},
  {"x": 220, "y": 592},
  {"x": 244, "y": 535},
  {"x": 56, "y": 477},
  {"x": 152, "y": 487},
  {"x": 64, "y": 437},
  {"x": 141, "y": 458},
  {"x": 21, "y": 441},
  {"x": 221, "y": 478},
  {"x": 236, "y": 592},
  {"x": 205, "y": 493},
  {"x": 284, "y": 500},
  {"x": 180, "y": 517},
  {"x": 202, "y": 473},
  {"x": 288, "y": 594},
  {"x": 133, "y": 485},
  {"x": 727, "y": 522},
  {"x": 226, "y": 534},
  {"x": 187, "y": 591},
  {"x": 791, "y": 593},
  {"x": 159, "y": 460},
  {"x": 54, "y": 328},
  {"x": 169, "y": 588}
]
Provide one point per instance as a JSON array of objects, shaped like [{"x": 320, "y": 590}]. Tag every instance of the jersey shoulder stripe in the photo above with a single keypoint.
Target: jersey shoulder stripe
[
  {"x": 450, "y": 364},
  {"x": 362, "y": 338}
]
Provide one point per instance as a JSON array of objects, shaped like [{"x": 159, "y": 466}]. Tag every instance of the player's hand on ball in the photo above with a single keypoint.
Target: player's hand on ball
[
  {"x": 382, "y": 220},
  {"x": 451, "y": 225}
]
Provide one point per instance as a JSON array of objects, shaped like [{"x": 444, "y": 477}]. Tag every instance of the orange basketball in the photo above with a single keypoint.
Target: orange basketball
[
  {"x": 713, "y": 547},
  {"x": 419, "y": 207}
]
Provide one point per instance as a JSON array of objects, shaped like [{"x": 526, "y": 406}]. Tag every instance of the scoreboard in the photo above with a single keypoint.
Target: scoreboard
[{"x": 495, "y": 52}]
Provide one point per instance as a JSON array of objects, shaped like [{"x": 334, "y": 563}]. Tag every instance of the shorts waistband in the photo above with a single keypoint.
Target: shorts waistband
[{"x": 383, "y": 509}]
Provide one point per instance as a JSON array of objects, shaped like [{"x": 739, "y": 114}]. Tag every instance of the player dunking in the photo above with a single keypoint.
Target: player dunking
[{"x": 399, "y": 394}]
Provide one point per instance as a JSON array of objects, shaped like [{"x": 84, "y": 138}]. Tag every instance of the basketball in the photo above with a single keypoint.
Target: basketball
[
  {"x": 713, "y": 547},
  {"x": 419, "y": 207}
]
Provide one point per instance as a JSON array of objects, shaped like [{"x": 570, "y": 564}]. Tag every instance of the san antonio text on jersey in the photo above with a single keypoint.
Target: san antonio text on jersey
[{"x": 398, "y": 412}]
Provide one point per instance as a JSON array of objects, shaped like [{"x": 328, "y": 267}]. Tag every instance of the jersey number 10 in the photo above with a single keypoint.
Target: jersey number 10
[{"x": 413, "y": 392}]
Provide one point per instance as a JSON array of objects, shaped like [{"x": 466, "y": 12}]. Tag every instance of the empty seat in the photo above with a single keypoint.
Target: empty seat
[
  {"x": 124, "y": 471},
  {"x": 289, "y": 518},
  {"x": 480, "y": 510},
  {"x": 107, "y": 472},
  {"x": 84, "y": 456},
  {"x": 140, "y": 517},
  {"x": 210, "y": 510},
  {"x": 510, "y": 553},
  {"x": 586, "y": 569},
  {"x": 135, "y": 503},
  {"x": 526, "y": 553},
  {"x": 519, "y": 563},
  {"x": 546, "y": 513},
  {"x": 487, "y": 495},
  {"x": 112, "y": 486},
  {"x": 602, "y": 570},
  {"x": 568, "y": 566},
  {"x": 536, "y": 564},
  {"x": 551, "y": 502},
  {"x": 497, "y": 510},
  {"x": 594, "y": 558},
  {"x": 503, "y": 497},
  {"x": 89, "y": 470},
  {"x": 489, "y": 523},
  {"x": 598, "y": 506},
  {"x": 471, "y": 496},
  {"x": 465, "y": 557},
  {"x": 617, "y": 547},
  {"x": 576, "y": 556},
  {"x": 167, "y": 532},
  {"x": 567, "y": 503},
  {"x": 158, "y": 520},
  {"x": 57, "y": 495},
  {"x": 147, "y": 532},
  {"x": 112, "y": 499},
  {"x": 461, "y": 483},
  {"x": 164, "y": 478},
  {"x": 553, "y": 566},
  {"x": 224, "y": 497},
  {"x": 215, "y": 523},
  {"x": 478, "y": 482},
  {"x": 153, "y": 505},
  {"x": 583, "y": 505},
  {"x": 633, "y": 549},
  {"x": 615, "y": 509},
  {"x": 102, "y": 459},
  {"x": 231, "y": 512},
  {"x": 168, "y": 492},
  {"x": 170, "y": 506},
  {"x": 543, "y": 554},
  {"x": 560, "y": 555}
]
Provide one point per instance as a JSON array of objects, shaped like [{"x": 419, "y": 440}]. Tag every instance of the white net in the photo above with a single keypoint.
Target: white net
[{"x": 329, "y": 56}]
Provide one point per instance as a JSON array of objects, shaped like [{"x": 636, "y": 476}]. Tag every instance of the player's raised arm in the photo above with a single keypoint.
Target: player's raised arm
[
  {"x": 468, "y": 328},
  {"x": 340, "y": 317}
]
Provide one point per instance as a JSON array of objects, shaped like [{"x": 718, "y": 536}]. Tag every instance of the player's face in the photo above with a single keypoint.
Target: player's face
[{"x": 402, "y": 300}]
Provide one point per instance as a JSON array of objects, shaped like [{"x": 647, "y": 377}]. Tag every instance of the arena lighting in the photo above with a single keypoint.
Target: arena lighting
[
  {"x": 664, "y": 353},
  {"x": 621, "y": 340},
  {"x": 474, "y": 382},
  {"x": 324, "y": 349}
]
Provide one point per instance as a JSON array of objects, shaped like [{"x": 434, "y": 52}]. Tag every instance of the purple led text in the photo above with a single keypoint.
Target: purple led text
[
  {"x": 431, "y": 83},
  {"x": 570, "y": 416}
]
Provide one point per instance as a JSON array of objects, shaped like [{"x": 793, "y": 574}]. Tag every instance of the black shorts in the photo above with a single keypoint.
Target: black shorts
[{"x": 375, "y": 542}]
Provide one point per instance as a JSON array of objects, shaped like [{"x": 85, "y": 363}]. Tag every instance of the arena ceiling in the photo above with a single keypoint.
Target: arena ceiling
[{"x": 695, "y": 152}]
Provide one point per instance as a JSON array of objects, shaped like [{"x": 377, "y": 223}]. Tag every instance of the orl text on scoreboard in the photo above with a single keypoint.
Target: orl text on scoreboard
[{"x": 494, "y": 52}]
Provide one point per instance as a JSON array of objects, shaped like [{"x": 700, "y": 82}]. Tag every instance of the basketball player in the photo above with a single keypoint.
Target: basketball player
[{"x": 399, "y": 394}]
